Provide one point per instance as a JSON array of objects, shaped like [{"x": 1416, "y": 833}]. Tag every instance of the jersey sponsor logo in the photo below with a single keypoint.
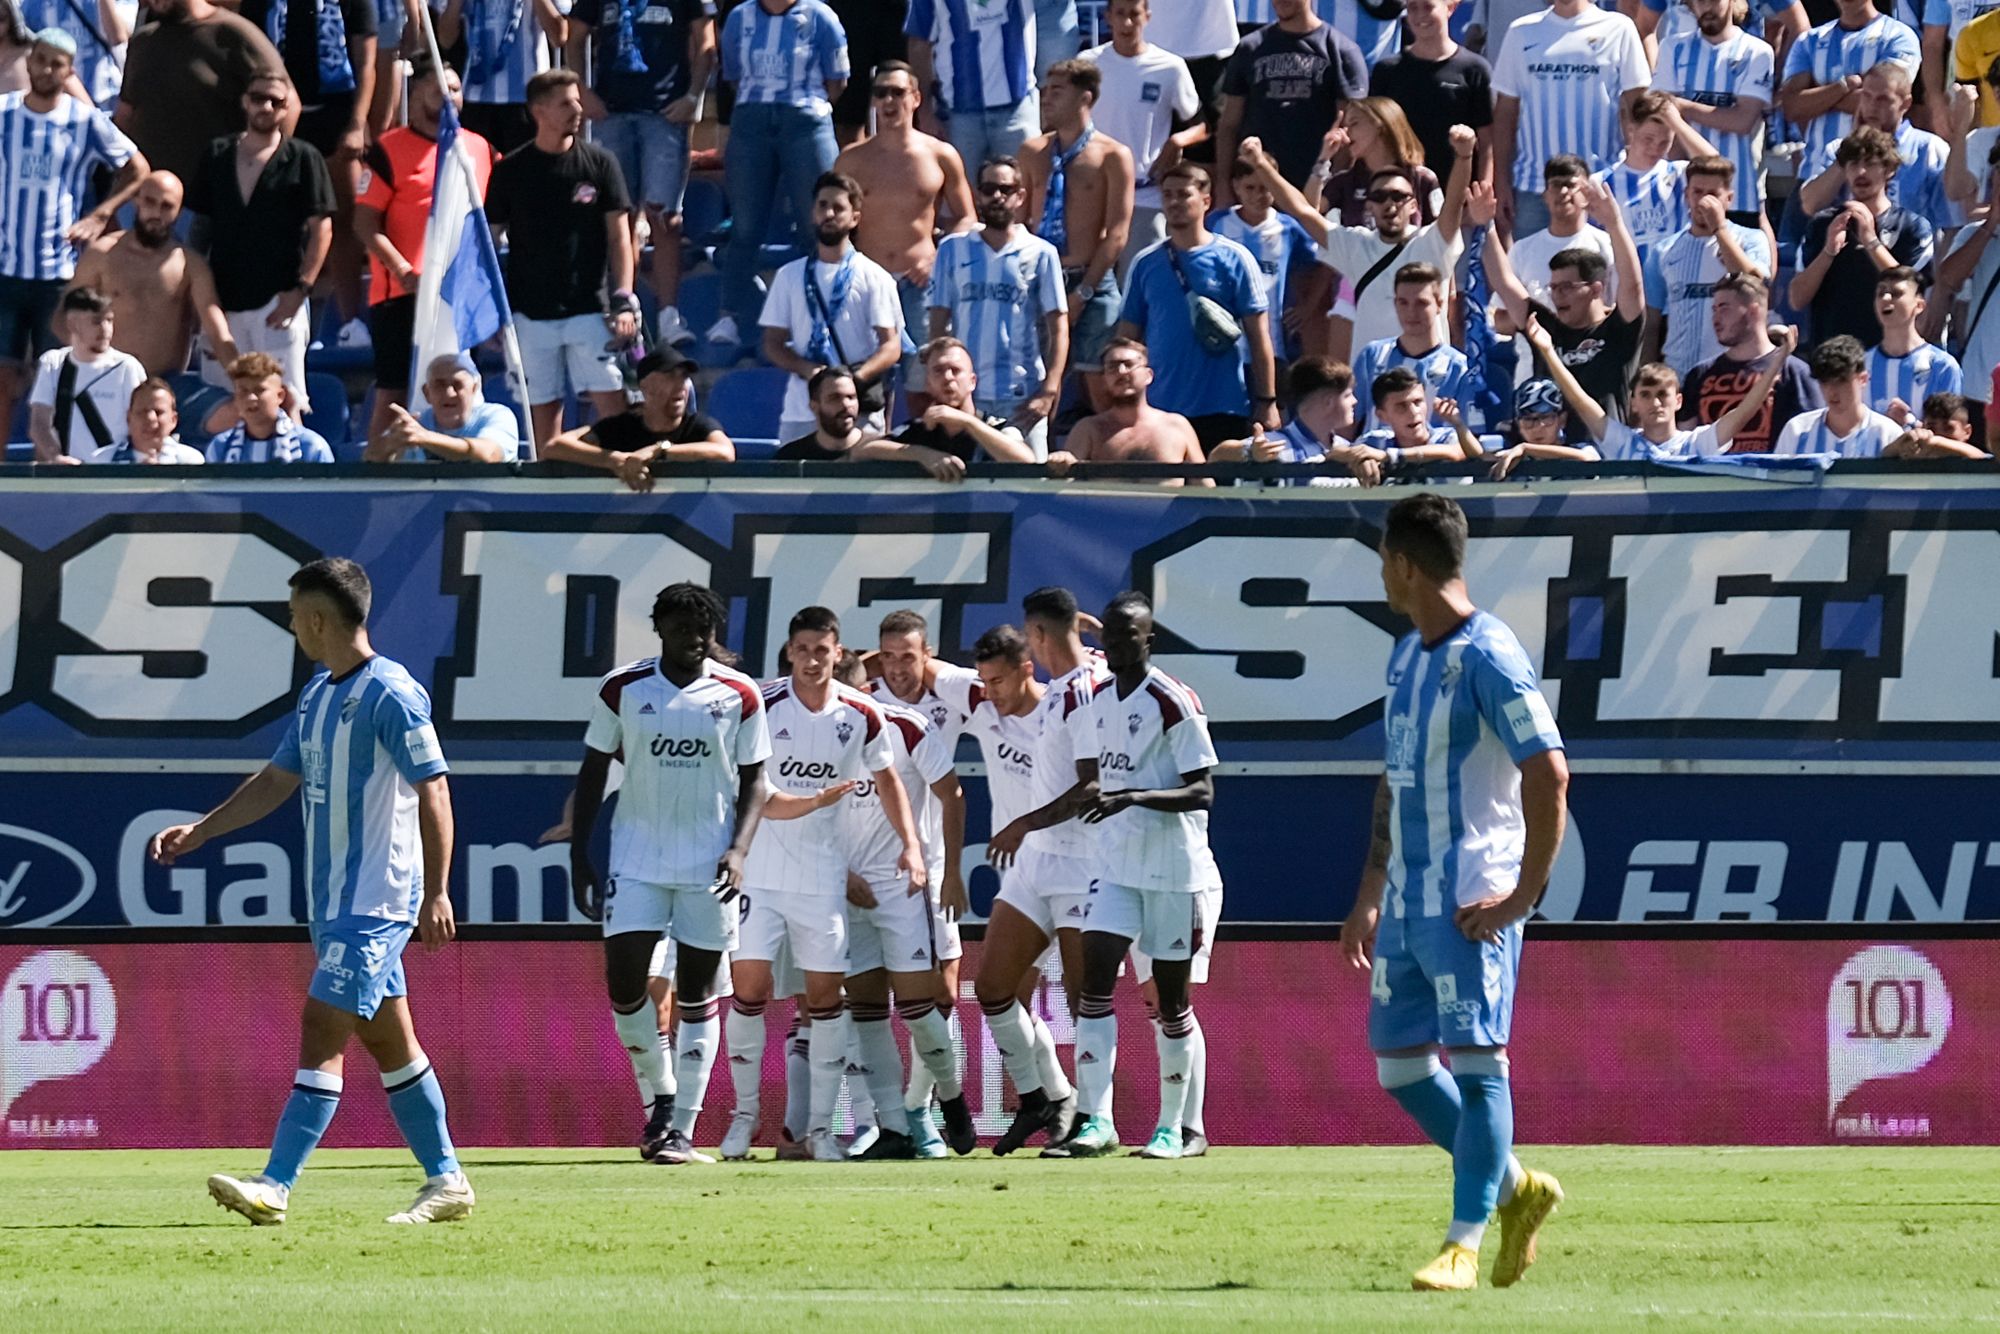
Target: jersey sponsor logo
[
  {"x": 680, "y": 748},
  {"x": 1014, "y": 756},
  {"x": 1527, "y": 717},
  {"x": 1149, "y": 92},
  {"x": 422, "y": 743},
  {"x": 647, "y": 709},
  {"x": 1005, "y": 294},
  {"x": 1116, "y": 762},
  {"x": 809, "y": 769},
  {"x": 585, "y": 193}
]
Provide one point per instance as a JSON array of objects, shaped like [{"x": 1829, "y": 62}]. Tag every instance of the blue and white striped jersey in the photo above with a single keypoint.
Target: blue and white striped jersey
[
  {"x": 1680, "y": 274},
  {"x": 784, "y": 59},
  {"x": 290, "y": 443},
  {"x": 1568, "y": 75},
  {"x": 1276, "y": 243},
  {"x": 45, "y": 166},
  {"x": 998, "y": 301},
  {"x": 1442, "y": 369},
  {"x": 1809, "y": 433},
  {"x": 1461, "y": 717},
  {"x": 1255, "y": 11},
  {"x": 1654, "y": 200},
  {"x": 97, "y": 65},
  {"x": 1722, "y": 74},
  {"x": 359, "y": 744},
  {"x": 504, "y": 48},
  {"x": 1676, "y": 19},
  {"x": 1918, "y": 184},
  {"x": 983, "y": 50},
  {"x": 1383, "y": 438},
  {"x": 1927, "y": 370},
  {"x": 1626, "y": 444},
  {"x": 1378, "y": 38},
  {"x": 1830, "y": 53}
]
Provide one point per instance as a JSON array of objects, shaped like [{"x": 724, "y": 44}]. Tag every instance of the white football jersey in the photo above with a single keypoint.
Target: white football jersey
[
  {"x": 945, "y": 718},
  {"x": 1056, "y": 752},
  {"x": 810, "y": 752},
  {"x": 682, "y": 750},
  {"x": 1147, "y": 740},
  {"x": 921, "y": 759},
  {"x": 1007, "y": 742}
]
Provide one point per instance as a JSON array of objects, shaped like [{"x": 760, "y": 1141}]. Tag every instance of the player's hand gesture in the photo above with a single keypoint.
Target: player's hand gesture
[
  {"x": 584, "y": 889},
  {"x": 1357, "y": 935},
  {"x": 1105, "y": 805},
  {"x": 1486, "y": 919},
  {"x": 911, "y": 864},
  {"x": 436, "y": 926},
  {"x": 1003, "y": 845},
  {"x": 952, "y": 896},
  {"x": 729, "y": 875},
  {"x": 174, "y": 842}
]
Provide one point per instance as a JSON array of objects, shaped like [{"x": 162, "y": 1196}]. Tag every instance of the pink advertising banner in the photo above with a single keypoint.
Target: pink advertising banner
[{"x": 1634, "y": 1041}]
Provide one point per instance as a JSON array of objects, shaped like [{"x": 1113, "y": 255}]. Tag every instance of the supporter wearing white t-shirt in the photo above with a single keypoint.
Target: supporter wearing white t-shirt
[
  {"x": 1146, "y": 88},
  {"x": 81, "y": 392}
]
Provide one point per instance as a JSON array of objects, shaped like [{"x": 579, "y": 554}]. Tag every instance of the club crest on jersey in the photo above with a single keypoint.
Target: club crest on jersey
[
  {"x": 349, "y": 707},
  {"x": 718, "y": 709},
  {"x": 1133, "y": 723},
  {"x": 842, "y": 730},
  {"x": 1448, "y": 678},
  {"x": 938, "y": 714}
]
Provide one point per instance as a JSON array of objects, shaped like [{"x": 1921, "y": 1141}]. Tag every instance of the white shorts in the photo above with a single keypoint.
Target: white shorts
[
  {"x": 687, "y": 913},
  {"x": 1165, "y": 923},
  {"x": 569, "y": 351},
  {"x": 662, "y": 966},
  {"x": 1210, "y": 903},
  {"x": 814, "y": 927},
  {"x": 894, "y": 934},
  {"x": 287, "y": 346},
  {"x": 1048, "y": 889}
]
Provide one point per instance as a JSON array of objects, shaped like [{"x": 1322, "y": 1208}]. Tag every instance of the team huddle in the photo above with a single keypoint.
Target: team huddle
[{"x": 801, "y": 838}]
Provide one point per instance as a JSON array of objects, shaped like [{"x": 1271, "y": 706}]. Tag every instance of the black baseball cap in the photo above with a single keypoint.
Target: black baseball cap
[{"x": 664, "y": 359}]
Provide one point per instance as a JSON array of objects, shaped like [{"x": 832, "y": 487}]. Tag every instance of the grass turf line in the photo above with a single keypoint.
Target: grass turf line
[{"x": 1823, "y": 1239}]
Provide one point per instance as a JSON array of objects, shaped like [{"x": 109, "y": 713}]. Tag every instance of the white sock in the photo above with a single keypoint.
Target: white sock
[
  {"x": 860, "y": 1097},
  {"x": 745, "y": 1033},
  {"x": 881, "y": 1071},
  {"x": 1176, "y": 1055},
  {"x": 930, "y": 1041},
  {"x": 1467, "y": 1235},
  {"x": 639, "y": 1031},
  {"x": 798, "y": 1080},
  {"x": 828, "y": 1054},
  {"x": 701, "y": 1031},
  {"x": 1048, "y": 1063},
  {"x": 669, "y": 1082},
  {"x": 1014, "y": 1038},
  {"x": 1512, "y": 1181},
  {"x": 1096, "y": 1062},
  {"x": 1197, "y": 1085}
]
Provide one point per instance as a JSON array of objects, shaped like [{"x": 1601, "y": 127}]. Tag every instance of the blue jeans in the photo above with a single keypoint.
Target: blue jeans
[
  {"x": 994, "y": 132},
  {"x": 1056, "y": 34},
  {"x": 771, "y": 148}
]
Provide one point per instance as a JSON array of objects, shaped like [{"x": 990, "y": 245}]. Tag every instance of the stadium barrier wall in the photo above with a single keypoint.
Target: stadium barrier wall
[{"x": 1627, "y": 1041}]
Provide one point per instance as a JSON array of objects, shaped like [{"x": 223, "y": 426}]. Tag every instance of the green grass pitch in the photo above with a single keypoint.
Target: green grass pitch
[{"x": 1666, "y": 1239}]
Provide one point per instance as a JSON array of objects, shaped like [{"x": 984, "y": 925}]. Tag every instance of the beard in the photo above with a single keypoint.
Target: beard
[
  {"x": 151, "y": 237},
  {"x": 997, "y": 216},
  {"x": 831, "y": 235},
  {"x": 835, "y": 424}
]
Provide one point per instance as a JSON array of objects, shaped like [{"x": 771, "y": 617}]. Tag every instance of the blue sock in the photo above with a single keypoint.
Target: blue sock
[
  {"x": 1485, "y": 1141},
  {"x": 416, "y": 1100},
  {"x": 307, "y": 1112},
  {"x": 1433, "y": 1103}
]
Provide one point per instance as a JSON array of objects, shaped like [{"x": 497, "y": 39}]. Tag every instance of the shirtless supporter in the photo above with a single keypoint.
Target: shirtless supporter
[
  {"x": 161, "y": 290},
  {"x": 908, "y": 178},
  {"x": 1130, "y": 430},
  {"x": 1080, "y": 186}
]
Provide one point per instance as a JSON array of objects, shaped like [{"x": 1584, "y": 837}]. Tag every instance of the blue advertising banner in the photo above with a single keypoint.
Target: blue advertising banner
[{"x": 1782, "y": 702}]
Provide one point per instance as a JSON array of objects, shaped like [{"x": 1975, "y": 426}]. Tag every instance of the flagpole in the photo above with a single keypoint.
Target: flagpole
[{"x": 510, "y": 342}]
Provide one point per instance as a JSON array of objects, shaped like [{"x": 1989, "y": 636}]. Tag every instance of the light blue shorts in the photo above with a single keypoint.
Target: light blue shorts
[
  {"x": 1432, "y": 985},
  {"x": 652, "y": 151},
  {"x": 360, "y": 964}
]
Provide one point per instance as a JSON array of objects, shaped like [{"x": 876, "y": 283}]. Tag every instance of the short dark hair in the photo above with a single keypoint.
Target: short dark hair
[
  {"x": 1082, "y": 75},
  {"x": 1747, "y": 286},
  {"x": 1564, "y": 167},
  {"x": 1395, "y": 380},
  {"x": 1002, "y": 641},
  {"x": 814, "y": 620},
  {"x": 1050, "y": 603},
  {"x": 942, "y": 343},
  {"x": 1121, "y": 342},
  {"x": 893, "y": 67},
  {"x": 1710, "y": 164},
  {"x": 841, "y": 181},
  {"x": 1657, "y": 372},
  {"x": 695, "y": 602},
  {"x": 1902, "y": 273},
  {"x": 1310, "y": 375},
  {"x": 1429, "y": 529},
  {"x": 341, "y": 582},
  {"x": 903, "y": 621},
  {"x": 154, "y": 384},
  {"x": 1240, "y": 168},
  {"x": 1420, "y": 272},
  {"x": 87, "y": 299},
  {"x": 1128, "y": 603},
  {"x": 550, "y": 82},
  {"x": 1647, "y": 105},
  {"x": 847, "y": 670},
  {"x": 1944, "y": 407},
  {"x": 1006, "y": 160},
  {"x": 1589, "y": 265},
  {"x": 822, "y": 376},
  {"x": 1392, "y": 174},
  {"x": 1190, "y": 171},
  {"x": 1865, "y": 143},
  {"x": 1839, "y": 358}
]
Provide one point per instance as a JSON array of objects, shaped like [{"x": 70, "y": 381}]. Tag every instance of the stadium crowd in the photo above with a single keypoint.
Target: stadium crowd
[{"x": 1379, "y": 238}]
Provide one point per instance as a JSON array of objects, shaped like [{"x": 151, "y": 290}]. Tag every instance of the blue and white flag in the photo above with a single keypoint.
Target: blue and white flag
[{"x": 462, "y": 292}]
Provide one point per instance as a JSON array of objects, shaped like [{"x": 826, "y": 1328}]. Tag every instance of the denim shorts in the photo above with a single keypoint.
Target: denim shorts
[{"x": 652, "y": 151}]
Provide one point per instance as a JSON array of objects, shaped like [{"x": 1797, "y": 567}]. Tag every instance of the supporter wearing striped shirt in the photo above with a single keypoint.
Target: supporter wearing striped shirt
[
  {"x": 1407, "y": 441},
  {"x": 1903, "y": 369},
  {"x": 1561, "y": 76},
  {"x": 266, "y": 433},
  {"x": 1420, "y": 301},
  {"x": 1664, "y": 22},
  {"x": 1375, "y": 28},
  {"x": 505, "y": 47},
  {"x": 1321, "y": 391},
  {"x": 1846, "y": 427},
  {"x": 1683, "y": 270},
  {"x": 1919, "y": 182},
  {"x": 980, "y": 56},
  {"x": 1276, "y": 240},
  {"x": 1824, "y": 68},
  {"x": 1649, "y": 185},
  {"x": 98, "y": 29},
  {"x": 788, "y": 61},
  {"x": 999, "y": 290},
  {"x": 1721, "y": 79}
]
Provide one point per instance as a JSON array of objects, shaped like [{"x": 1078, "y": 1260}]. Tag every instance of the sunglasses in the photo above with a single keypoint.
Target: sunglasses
[
  {"x": 263, "y": 100},
  {"x": 998, "y": 188},
  {"x": 1390, "y": 196}
]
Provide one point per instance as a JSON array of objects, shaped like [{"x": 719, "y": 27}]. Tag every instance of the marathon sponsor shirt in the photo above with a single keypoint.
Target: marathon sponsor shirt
[
  {"x": 1006, "y": 741},
  {"x": 1568, "y": 75},
  {"x": 809, "y": 753},
  {"x": 1056, "y": 754},
  {"x": 1147, "y": 740},
  {"x": 922, "y": 755},
  {"x": 683, "y": 751}
]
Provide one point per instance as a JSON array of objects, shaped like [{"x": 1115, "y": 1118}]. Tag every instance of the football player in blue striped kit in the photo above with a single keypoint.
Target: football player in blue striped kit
[
  {"x": 1468, "y": 817},
  {"x": 360, "y": 751}
]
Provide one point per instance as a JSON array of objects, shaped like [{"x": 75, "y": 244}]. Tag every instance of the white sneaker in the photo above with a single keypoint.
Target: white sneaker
[
  {"x": 736, "y": 1142},
  {"x": 673, "y": 329},
  {"x": 724, "y": 332},
  {"x": 825, "y": 1148},
  {"x": 262, "y": 1202},
  {"x": 864, "y": 1139},
  {"x": 354, "y": 334},
  {"x": 442, "y": 1200}
]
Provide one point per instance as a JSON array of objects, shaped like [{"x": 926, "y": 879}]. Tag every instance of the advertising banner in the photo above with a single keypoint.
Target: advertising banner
[{"x": 1632, "y": 1041}]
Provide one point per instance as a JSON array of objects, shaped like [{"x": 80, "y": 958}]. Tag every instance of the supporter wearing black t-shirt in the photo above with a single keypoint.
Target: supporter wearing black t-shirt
[
  {"x": 1285, "y": 85},
  {"x": 644, "y": 82},
  {"x": 1603, "y": 357},
  {"x": 662, "y": 427},
  {"x": 1719, "y": 385},
  {"x": 257, "y": 246},
  {"x": 1845, "y": 301},
  {"x": 837, "y": 411},
  {"x": 1436, "y": 94},
  {"x": 558, "y": 209}
]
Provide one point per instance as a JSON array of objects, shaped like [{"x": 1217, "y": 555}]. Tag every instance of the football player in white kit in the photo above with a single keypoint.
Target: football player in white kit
[
  {"x": 795, "y": 877},
  {"x": 1151, "y": 787},
  {"x": 693, "y": 738},
  {"x": 1043, "y": 897}
]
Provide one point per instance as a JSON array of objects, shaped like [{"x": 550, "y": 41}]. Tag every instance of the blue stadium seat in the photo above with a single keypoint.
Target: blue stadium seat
[
  {"x": 749, "y": 402},
  {"x": 754, "y": 450},
  {"x": 324, "y": 352},
  {"x": 21, "y": 451},
  {"x": 701, "y": 300},
  {"x": 329, "y": 415},
  {"x": 703, "y": 213}
]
